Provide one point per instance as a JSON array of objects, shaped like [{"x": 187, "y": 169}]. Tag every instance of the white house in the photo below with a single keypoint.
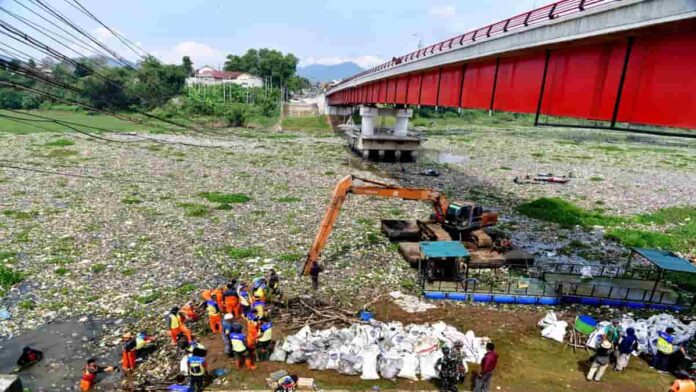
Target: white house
[{"x": 211, "y": 76}]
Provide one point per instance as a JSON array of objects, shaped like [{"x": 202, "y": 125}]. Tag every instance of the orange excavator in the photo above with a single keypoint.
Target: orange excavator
[{"x": 457, "y": 217}]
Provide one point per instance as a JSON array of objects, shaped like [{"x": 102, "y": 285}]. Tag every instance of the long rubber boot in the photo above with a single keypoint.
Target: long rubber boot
[{"x": 250, "y": 364}]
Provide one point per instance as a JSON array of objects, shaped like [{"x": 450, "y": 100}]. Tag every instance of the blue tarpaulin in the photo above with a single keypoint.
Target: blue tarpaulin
[
  {"x": 439, "y": 249},
  {"x": 666, "y": 260}
]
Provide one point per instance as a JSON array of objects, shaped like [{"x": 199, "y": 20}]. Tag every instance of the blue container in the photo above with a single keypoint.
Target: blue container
[
  {"x": 435, "y": 295},
  {"x": 571, "y": 300},
  {"x": 526, "y": 300},
  {"x": 364, "y": 315},
  {"x": 678, "y": 308},
  {"x": 549, "y": 301},
  {"x": 590, "y": 301},
  {"x": 457, "y": 296},
  {"x": 481, "y": 297},
  {"x": 504, "y": 299},
  {"x": 636, "y": 305},
  {"x": 613, "y": 302}
]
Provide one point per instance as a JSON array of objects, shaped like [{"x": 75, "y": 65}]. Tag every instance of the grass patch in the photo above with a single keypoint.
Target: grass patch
[
  {"x": 193, "y": 209},
  {"x": 7, "y": 256},
  {"x": 288, "y": 199},
  {"x": 596, "y": 178},
  {"x": 186, "y": 288},
  {"x": 60, "y": 143},
  {"x": 97, "y": 268},
  {"x": 236, "y": 253},
  {"x": 670, "y": 215},
  {"x": 565, "y": 213},
  {"x": 147, "y": 298},
  {"x": 131, "y": 200},
  {"x": 9, "y": 277},
  {"x": 290, "y": 257},
  {"x": 641, "y": 238},
  {"x": 20, "y": 215},
  {"x": 311, "y": 124},
  {"x": 224, "y": 207},
  {"x": 60, "y": 271},
  {"x": 61, "y": 153},
  {"x": 505, "y": 168},
  {"x": 225, "y": 198}
]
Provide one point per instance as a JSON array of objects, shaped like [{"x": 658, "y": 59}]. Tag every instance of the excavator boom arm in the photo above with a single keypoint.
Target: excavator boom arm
[{"x": 341, "y": 191}]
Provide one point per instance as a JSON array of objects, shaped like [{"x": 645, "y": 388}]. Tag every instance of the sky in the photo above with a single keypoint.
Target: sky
[{"x": 366, "y": 32}]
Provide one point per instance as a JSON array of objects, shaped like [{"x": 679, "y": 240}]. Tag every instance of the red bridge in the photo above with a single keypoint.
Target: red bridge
[{"x": 619, "y": 62}]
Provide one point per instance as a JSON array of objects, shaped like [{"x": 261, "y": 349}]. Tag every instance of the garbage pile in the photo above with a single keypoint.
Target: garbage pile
[{"x": 378, "y": 350}]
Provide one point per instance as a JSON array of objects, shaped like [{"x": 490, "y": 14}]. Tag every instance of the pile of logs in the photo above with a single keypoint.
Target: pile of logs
[{"x": 301, "y": 311}]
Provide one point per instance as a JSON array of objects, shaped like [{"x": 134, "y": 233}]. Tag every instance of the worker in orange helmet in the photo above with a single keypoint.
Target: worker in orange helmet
[
  {"x": 214, "y": 315},
  {"x": 90, "y": 371},
  {"x": 128, "y": 347},
  {"x": 231, "y": 300},
  {"x": 207, "y": 295},
  {"x": 176, "y": 326}
]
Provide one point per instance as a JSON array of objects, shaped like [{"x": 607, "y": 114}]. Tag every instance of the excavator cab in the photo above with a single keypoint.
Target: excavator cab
[{"x": 466, "y": 215}]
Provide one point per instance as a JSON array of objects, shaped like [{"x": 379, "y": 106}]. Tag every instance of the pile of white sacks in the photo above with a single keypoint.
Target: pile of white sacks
[
  {"x": 377, "y": 349},
  {"x": 646, "y": 330}
]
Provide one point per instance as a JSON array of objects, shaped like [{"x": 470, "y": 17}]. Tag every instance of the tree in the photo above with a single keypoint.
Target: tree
[
  {"x": 266, "y": 63},
  {"x": 107, "y": 94},
  {"x": 298, "y": 83},
  {"x": 84, "y": 68},
  {"x": 31, "y": 63},
  {"x": 155, "y": 83},
  {"x": 187, "y": 64}
]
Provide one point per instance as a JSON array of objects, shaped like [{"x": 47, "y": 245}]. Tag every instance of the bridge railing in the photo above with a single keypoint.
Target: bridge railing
[{"x": 524, "y": 20}]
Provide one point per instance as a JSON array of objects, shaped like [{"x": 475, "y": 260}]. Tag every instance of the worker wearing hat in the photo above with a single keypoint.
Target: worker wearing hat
[
  {"x": 600, "y": 361},
  {"x": 128, "y": 346}
]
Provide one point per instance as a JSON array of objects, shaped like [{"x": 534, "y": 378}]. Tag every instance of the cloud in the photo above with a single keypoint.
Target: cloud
[
  {"x": 201, "y": 54},
  {"x": 443, "y": 11},
  {"x": 102, "y": 34},
  {"x": 367, "y": 61}
]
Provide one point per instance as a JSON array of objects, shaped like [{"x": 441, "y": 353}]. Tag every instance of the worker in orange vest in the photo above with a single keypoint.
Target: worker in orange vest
[
  {"x": 217, "y": 294},
  {"x": 253, "y": 326},
  {"x": 90, "y": 371},
  {"x": 128, "y": 348},
  {"x": 231, "y": 300},
  {"x": 176, "y": 326},
  {"x": 214, "y": 315},
  {"x": 207, "y": 295}
]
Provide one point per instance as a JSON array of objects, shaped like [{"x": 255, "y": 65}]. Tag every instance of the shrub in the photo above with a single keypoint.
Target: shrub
[
  {"x": 244, "y": 253},
  {"x": 236, "y": 116},
  {"x": 225, "y": 198}
]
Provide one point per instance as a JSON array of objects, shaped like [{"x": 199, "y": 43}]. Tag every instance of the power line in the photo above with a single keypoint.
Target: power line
[
  {"x": 87, "y": 45},
  {"x": 128, "y": 43}
]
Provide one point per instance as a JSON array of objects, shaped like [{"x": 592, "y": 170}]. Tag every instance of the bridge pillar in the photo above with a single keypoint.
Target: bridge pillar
[
  {"x": 369, "y": 118},
  {"x": 402, "y": 116}
]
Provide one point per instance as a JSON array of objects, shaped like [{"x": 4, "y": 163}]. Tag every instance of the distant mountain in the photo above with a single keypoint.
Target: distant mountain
[{"x": 327, "y": 73}]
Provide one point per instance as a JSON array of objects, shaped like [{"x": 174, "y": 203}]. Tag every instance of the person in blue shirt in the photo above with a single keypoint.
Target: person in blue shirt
[
  {"x": 197, "y": 369},
  {"x": 666, "y": 346},
  {"x": 227, "y": 323},
  {"x": 180, "y": 385}
]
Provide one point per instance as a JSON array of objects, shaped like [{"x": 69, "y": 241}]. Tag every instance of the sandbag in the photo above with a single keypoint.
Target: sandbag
[
  {"x": 427, "y": 365},
  {"x": 369, "y": 363},
  {"x": 278, "y": 355},
  {"x": 389, "y": 368},
  {"x": 332, "y": 363},
  {"x": 409, "y": 369},
  {"x": 318, "y": 361},
  {"x": 555, "y": 331}
]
